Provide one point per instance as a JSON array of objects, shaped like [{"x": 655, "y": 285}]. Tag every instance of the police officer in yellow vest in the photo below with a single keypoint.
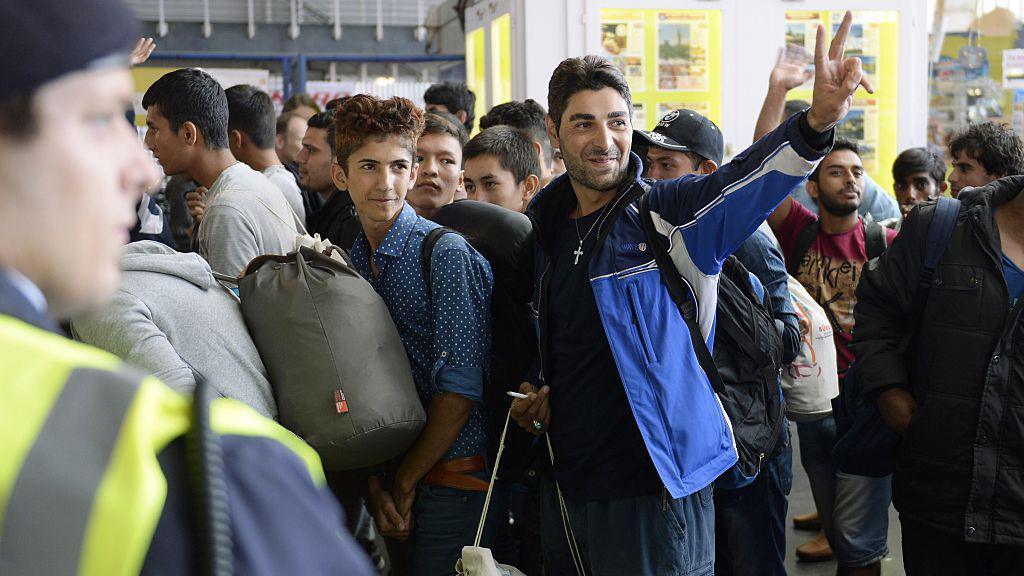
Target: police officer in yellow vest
[{"x": 104, "y": 471}]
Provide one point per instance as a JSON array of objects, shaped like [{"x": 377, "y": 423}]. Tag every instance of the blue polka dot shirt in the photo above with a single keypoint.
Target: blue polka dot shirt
[{"x": 448, "y": 340}]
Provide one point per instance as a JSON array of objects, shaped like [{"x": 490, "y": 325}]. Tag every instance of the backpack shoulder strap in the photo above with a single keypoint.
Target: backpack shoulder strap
[
  {"x": 736, "y": 272},
  {"x": 876, "y": 241},
  {"x": 804, "y": 238},
  {"x": 681, "y": 295},
  {"x": 427, "y": 251},
  {"x": 940, "y": 230}
]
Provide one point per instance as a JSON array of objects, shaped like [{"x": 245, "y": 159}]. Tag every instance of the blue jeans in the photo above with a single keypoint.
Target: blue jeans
[
  {"x": 854, "y": 509},
  {"x": 650, "y": 535},
  {"x": 444, "y": 520},
  {"x": 750, "y": 522}
]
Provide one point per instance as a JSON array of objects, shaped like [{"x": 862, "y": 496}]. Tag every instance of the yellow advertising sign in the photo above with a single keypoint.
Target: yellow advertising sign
[
  {"x": 476, "y": 69},
  {"x": 501, "y": 59},
  {"x": 143, "y": 77},
  {"x": 873, "y": 119},
  {"x": 671, "y": 59}
]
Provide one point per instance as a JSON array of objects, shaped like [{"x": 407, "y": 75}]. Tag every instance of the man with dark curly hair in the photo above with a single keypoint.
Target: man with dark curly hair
[
  {"x": 983, "y": 153},
  {"x": 443, "y": 318},
  {"x": 958, "y": 482}
]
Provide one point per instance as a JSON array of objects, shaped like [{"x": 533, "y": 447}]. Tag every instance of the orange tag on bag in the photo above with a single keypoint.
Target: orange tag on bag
[{"x": 340, "y": 404}]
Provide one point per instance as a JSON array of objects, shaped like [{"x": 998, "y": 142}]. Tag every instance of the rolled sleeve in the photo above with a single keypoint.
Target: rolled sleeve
[
  {"x": 461, "y": 283},
  {"x": 465, "y": 381}
]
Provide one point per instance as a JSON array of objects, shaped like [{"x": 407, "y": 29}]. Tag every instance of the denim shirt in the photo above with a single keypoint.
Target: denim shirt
[{"x": 447, "y": 339}]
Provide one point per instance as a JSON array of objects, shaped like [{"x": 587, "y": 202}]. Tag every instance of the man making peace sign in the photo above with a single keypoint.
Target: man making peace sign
[{"x": 637, "y": 432}]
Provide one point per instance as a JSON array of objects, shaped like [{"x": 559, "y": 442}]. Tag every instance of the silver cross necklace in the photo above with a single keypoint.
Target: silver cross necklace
[{"x": 579, "y": 249}]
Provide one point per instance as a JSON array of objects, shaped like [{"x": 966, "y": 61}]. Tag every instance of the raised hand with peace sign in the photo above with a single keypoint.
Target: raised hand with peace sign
[{"x": 835, "y": 79}]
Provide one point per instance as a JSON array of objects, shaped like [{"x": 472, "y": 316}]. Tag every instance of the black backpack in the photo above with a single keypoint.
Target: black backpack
[
  {"x": 876, "y": 241},
  {"x": 744, "y": 371},
  {"x": 503, "y": 238}
]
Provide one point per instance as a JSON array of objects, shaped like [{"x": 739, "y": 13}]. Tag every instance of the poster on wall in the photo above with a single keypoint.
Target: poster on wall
[
  {"x": 861, "y": 126},
  {"x": 703, "y": 108},
  {"x": 623, "y": 41},
  {"x": 144, "y": 76},
  {"x": 671, "y": 59},
  {"x": 682, "y": 51},
  {"x": 801, "y": 28},
  {"x": 1013, "y": 69},
  {"x": 1018, "y": 111},
  {"x": 639, "y": 115},
  {"x": 872, "y": 121},
  {"x": 228, "y": 77}
]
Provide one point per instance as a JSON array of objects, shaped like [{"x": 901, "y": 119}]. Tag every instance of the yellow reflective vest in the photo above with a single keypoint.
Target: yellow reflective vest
[{"x": 81, "y": 490}]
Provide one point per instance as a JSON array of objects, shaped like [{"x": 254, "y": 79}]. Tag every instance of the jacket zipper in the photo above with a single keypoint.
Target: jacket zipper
[
  {"x": 542, "y": 320},
  {"x": 776, "y": 429},
  {"x": 988, "y": 248},
  {"x": 611, "y": 213},
  {"x": 541, "y": 316}
]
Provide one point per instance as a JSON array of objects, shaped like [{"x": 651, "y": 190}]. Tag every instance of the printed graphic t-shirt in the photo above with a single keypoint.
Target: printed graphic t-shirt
[{"x": 830, "y": 270}]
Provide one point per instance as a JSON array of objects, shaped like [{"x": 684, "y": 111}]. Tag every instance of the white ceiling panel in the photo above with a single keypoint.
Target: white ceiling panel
[{"x": 353, "y": 12}]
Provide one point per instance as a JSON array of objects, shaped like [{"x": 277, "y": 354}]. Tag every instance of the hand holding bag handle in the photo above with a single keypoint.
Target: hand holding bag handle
[{"x": 570, "y": 537}]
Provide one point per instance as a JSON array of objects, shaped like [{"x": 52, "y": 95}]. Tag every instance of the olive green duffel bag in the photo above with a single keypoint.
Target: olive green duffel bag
[{"x": 338, "y": 368}]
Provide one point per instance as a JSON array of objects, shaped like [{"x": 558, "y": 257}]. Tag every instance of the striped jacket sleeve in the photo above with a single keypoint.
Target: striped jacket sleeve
[{"x": 717, "y": 212}]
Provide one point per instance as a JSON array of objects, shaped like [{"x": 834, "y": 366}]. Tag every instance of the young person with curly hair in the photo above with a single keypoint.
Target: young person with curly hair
[
  {"x": 983, "y": 153},
  {"x": 442, "y": 480}
]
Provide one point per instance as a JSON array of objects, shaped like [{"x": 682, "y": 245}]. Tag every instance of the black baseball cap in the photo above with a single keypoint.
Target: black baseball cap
[
  {"x": 684, "y": 130},
  {"x": 41, "y": 40}
]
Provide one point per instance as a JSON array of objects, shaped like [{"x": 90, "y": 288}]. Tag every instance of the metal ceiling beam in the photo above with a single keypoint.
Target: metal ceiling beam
[
  {"x": 421, "y": 31},
  {"x": 293, "y": 28},
  {"x": 337, "y": 20},
  {"x": 207, "y": 25},
  {"x": 380, "y": 20},
  {"x": 252, "y": 18},
  {"x": 161, "y": 27}
]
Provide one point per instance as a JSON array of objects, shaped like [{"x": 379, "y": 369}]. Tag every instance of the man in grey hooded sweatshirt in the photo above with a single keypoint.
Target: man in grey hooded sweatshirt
[{"x": 172, "y": 318}]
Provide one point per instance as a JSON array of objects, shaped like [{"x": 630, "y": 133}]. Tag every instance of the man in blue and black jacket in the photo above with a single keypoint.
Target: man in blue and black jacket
[{"x": 637, "y": 433}]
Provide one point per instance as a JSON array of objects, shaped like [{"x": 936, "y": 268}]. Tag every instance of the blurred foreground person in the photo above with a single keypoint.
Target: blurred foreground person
[{"x": 97, "y": 462}]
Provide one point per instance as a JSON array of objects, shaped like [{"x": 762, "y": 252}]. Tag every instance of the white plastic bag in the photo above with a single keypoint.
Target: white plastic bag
[
  {"x": 812, "y": 380},
  {"x": 477, "y": 561}
]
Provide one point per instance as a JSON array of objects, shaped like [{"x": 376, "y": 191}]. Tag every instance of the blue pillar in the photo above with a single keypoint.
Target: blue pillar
[
  {"x": 286, "y": 77},
  {"x": 300, "y": 74}
]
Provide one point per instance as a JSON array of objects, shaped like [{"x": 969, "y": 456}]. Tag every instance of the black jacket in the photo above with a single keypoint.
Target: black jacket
[
  {"x": 961, "y": 465},
  {"x": 336, "y": 220}
]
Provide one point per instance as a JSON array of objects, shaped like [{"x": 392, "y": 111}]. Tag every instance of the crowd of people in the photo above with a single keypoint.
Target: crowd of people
[{"x": 640, "y": 390}]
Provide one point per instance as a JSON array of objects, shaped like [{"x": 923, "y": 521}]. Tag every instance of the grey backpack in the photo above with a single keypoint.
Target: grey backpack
[{"x": 338, "y": 368}]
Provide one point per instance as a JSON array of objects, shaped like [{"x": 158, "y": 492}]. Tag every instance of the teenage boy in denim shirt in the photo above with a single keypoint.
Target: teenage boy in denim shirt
[{"x": 445, "y": 328}]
